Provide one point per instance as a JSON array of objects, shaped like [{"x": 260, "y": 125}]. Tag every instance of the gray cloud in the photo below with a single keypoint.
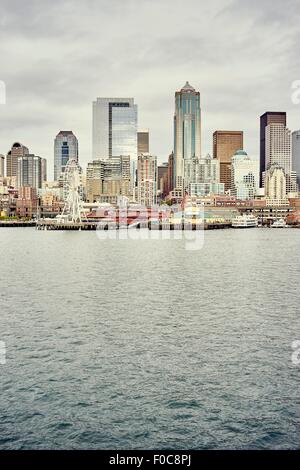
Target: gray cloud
[{"x": 57, "y": 56}]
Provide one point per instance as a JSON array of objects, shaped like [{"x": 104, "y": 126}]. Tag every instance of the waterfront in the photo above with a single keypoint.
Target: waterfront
[{"x": 144, "y": 344}]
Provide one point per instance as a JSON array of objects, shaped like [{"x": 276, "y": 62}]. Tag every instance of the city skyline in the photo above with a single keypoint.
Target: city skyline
[{"x": 238, "y": 83}]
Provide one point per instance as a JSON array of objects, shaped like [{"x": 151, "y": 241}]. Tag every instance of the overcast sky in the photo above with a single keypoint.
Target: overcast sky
[{"x": 56, "y": 57}]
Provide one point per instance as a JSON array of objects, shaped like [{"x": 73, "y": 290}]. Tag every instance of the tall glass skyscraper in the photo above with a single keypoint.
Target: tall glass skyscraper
[
  {"x": 114, "y": 128},
  {"x": 65, "y": 148},
  {"x": 187, "y": 130}
]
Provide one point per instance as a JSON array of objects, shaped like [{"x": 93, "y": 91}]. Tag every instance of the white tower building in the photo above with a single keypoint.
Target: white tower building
[{"x": 279, "y": 150}]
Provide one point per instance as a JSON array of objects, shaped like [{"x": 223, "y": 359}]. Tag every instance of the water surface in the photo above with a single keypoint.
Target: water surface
[{"x": 143, "y": 344}]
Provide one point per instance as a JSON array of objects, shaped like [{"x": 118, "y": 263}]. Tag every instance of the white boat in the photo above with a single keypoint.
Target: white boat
[
  {"x": 245, "y": 221},
  {"x": 279, "y": 223}
]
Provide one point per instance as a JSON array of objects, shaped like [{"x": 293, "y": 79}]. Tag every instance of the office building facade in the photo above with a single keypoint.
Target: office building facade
[
  {"x": 2, "y": 162},
  {"x": 17, "y": 150},
  {"x": 244, "y": 176},
  {"x": 143, "y": 141},
  {"x": 114, "y": 128},
  {"x": 270, "y": 117},
  {"x": 65, "y": 149},
  {"x": 147, "y": 180},
  {"x": 108, "y": 179},
  {"x": 187, "y": 130},
  {"x": 29, "y": 172},
  {"x": 225, "y": 144}
]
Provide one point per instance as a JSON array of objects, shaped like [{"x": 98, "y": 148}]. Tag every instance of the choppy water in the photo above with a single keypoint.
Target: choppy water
[{"x": 143, "y": 344}]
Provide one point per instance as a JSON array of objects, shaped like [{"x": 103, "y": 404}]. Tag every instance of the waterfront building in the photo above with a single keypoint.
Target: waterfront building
[
  {"x": 17, "y": 150},
  {"x": 147, "y": 180},
  {"x": 65, "y": 149},
  {"x": 27, "y": 202},
  {"x": 108, "y": 179},
  {"x": 2, "y": 161},
  {"x": 225, "y": 144},
  {"x": 187, "y": 131},
  {"x": 29, "y": 171},
  {"x": 267, "y": 118},
  {"x": 244, "y": 176},
  {"x": 296, "y": 154},
  {"x": 143, "y": 141}
]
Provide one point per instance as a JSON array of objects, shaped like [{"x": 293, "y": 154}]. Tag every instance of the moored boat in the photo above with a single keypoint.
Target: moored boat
[
  {"x": 245, "y": 221},
  {"x": 279, "y": 223}
]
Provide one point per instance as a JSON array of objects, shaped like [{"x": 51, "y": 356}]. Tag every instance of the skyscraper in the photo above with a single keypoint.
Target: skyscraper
[
  {"x": 65, "y": 148},
  {"x": 296, "y": 154},
  {"x": 278, "y": 151},
  {"x": 17, "y": 150},
  {"x": 162, "y": 178},
  {"x": 278, "y": 147},
  {"x": 267, "y": 118},
  {"x": 143, "y": 141},
  {"x": 114, "y": 128},
  {"x": 44, "y": 170},
  {"x": 187, "y": 130},
  {"x": 171, "y": 172},
  {"x": 225, "y": 144},
  {"x": 1, "y": 166},
  {"x": 147, "y": 180},
  {"x": 29, "y": 172}
]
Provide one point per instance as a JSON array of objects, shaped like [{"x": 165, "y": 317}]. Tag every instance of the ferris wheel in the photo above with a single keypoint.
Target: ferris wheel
[{"x": 72, "y": 187}]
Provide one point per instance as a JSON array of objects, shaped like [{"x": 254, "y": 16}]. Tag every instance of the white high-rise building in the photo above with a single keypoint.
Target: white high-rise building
[
  {"x": 202, "y": 176},
  {"x": 65, "y": 149},
  {"x": 114, "y": 128},
  {"x": 244, "y": 176},
  {"x": 279, "y": 150},
  {"x": 296, "y": 154}
]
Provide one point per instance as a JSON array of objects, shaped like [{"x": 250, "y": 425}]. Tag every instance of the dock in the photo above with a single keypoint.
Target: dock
[{"x": 102, "y": 225}]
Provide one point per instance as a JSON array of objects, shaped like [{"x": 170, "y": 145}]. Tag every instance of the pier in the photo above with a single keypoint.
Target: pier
[
  {"x": 17, "y": 223},
  {"x": 103, "y": 225}
]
